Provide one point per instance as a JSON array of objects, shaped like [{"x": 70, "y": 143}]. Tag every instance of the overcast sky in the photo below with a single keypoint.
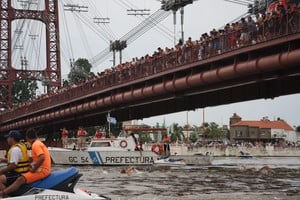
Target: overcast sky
[{"x": 77, "y": 40}]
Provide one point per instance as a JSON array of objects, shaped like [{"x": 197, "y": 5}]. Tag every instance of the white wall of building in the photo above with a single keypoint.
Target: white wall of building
[
  {"x": 297, "y": 136},
  {"x": 289, "y": 136}
]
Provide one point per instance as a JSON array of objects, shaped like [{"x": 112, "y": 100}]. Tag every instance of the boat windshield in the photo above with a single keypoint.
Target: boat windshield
[
  {"x": 123, "y": 134},
  {"x": 100, "y": 144}
]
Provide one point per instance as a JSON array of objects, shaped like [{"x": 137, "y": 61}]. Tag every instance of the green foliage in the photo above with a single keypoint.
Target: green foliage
[
  {"x": 214, "y": 131},
  {"x": 91, "y": 130},
  {"x": 65, "y": 83},
  {"x": 298, "y": 129},
  {"x": 177, "y": 134},
  {"x": 144, "y": 137},
  {"x": 197, "y": 129},
  {"x": 23, "y": 90},
  {"x": 195, "y": 133},
  {"x": 80, "y": 70},
  {"x": 115, "y": 129},
  {"x": 56, "y": 136},
  {"x": 194, "y": 137}
]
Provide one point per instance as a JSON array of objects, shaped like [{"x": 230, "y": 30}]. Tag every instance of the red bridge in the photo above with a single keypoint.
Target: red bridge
[{"x": 196, "y": 76}]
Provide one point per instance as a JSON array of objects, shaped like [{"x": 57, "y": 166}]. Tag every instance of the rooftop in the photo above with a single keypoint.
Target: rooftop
[
  {"x": 235, "y": 116},
  {"x": 266, "y": 124}
]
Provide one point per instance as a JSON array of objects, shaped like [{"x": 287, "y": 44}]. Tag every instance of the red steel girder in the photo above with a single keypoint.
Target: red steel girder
[{"x": 8, "y": 74}]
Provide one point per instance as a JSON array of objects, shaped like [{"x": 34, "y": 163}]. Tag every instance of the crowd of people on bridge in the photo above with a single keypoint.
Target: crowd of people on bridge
[{"x": 249, "y": 30}]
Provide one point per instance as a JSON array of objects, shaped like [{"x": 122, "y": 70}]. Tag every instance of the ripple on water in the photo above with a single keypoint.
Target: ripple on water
[{"x": 210, "y": 182}]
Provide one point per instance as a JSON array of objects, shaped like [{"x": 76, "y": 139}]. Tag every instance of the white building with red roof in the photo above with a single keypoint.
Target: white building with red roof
[{"x": 262, "y": 130}]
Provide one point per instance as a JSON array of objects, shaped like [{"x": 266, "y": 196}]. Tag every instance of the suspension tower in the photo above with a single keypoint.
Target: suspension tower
[{"x": 51, "y": 75}]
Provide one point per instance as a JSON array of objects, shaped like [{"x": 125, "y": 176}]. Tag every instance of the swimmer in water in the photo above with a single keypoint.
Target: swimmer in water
[{"x": 129, "y": 171}]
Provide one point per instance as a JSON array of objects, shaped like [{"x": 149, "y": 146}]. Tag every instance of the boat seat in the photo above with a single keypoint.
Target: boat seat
[{"x": 55, "y": 178}]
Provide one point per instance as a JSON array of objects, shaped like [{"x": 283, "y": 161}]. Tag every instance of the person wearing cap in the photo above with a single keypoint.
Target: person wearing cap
[
  {"x": 39, "y": 169},
  {"x": 17, "y": 160}
]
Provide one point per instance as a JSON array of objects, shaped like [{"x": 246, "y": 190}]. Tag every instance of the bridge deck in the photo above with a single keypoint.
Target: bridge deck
[{"x": 173, "y": 82}]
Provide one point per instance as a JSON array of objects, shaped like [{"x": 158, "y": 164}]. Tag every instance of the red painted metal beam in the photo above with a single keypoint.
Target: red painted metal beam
[{"x": 259, "y": 66}]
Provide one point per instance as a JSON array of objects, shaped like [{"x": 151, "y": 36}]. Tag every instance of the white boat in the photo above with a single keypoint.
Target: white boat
[
  {"x": 177, "y": 160},
  {"x": 58, "y": 185},
  {"x": 108, "y": 151}
]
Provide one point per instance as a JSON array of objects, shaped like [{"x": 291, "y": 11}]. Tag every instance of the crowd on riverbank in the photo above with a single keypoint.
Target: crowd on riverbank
[{"x": 248, "y": 145}]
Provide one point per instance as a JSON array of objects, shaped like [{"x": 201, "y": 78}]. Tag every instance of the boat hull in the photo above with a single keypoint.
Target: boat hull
[
  {"x": 246, "y": 156},
  {"x": 40, "y": 194},
  {"x": 103, "y": 158}
]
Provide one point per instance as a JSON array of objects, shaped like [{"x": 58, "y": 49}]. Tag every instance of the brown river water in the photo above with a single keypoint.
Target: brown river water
[{"x": 226, "y": 178}]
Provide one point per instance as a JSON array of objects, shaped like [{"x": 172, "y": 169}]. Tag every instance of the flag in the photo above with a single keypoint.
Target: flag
[{"x": 111, "y": 120}]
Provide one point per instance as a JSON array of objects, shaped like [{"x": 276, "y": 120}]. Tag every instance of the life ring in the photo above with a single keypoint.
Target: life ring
[
  {"x": 123, "y": 143},
  {"x": 158, "y": 149}
]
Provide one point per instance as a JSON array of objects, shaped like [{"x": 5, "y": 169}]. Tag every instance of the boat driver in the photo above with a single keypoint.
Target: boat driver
[
  {"x": 17, "y": 160},
  {"x": 39, "y": 169}
]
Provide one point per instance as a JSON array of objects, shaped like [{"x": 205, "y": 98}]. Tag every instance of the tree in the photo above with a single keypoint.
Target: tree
[
  {"x": 65, "y": 83},
  {"x": 298, "y": 129},
  {"x": 80, "y": 70},
  {"x": 23, "y": 90},
  {"x": 197, "y": 129},
  {"x": 196, "y": 132},
  {"x": 115, "y": 129},
  {"x": 214, "y": 131},
  {"x": 194, "y": 137},
  {"x": 144, "y": 137},
  {"x": 177, "y": 134}
]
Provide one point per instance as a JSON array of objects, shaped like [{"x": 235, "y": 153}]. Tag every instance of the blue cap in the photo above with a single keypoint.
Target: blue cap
[{"x": 14, "y": 134}]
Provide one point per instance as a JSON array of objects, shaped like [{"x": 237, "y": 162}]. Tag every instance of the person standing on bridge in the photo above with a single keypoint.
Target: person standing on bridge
[
  {"x": 17, "y": 160},
  {"x": 166, "y": 141},
  {"x": 81, "y": 137},
  {"x": 64, "y": 137}
]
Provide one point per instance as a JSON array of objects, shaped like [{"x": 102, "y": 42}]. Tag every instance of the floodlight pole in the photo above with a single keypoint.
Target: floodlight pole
[
  {"x": 174, "y": 22},
  {"x": 182, "y": 21}
]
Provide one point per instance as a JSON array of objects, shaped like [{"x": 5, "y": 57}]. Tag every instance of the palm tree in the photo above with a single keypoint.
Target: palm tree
[
  {"x": 177, "y": 134},
  {"x": 215, "y": 132}
]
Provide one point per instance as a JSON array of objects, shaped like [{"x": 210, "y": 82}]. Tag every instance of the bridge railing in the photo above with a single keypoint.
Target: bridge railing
[{"x": 208, "y": 46}]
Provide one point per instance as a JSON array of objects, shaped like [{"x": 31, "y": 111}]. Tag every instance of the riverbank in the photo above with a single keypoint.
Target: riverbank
[{"x": 229, "y": 151}]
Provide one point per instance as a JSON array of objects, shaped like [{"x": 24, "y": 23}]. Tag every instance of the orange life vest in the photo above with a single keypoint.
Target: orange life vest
[
  {"x": 81, "y": 133},
  {"x": 166, "y": 139},
  {"x": 64, "y": 133},
  {"x": 98, "y": 134}
]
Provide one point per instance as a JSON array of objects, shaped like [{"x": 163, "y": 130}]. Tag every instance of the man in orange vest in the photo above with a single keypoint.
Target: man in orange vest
[
  {"x": 64, "y": 137},
  {"x": 81, "y": 137},
  {"x": 166, "y": 141}
]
